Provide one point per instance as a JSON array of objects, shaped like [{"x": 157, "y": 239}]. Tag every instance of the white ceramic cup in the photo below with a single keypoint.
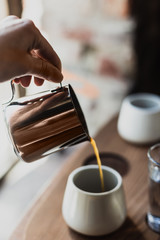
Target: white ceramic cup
[
  {"x": 139, "y": 118},
  {"x": 89, "y": 211}
]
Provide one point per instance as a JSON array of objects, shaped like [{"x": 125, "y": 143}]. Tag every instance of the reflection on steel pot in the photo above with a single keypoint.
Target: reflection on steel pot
[{"x": 43, "y": 123}]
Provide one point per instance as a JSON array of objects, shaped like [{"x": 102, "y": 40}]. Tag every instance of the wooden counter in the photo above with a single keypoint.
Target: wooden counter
[{"x": 44, "y": 220}]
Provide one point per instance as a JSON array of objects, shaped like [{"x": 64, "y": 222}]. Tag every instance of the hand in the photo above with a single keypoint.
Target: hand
[{"x": 25, "y": 52}]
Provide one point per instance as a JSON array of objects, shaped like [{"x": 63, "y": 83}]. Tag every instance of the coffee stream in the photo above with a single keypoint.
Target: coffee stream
[{"x": 93, "y": 143}]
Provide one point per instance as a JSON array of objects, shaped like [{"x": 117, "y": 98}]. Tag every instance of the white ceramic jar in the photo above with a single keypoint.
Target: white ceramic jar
[
  {"x": 139, "y": 118},
  {"x": 89, "y": 211}
]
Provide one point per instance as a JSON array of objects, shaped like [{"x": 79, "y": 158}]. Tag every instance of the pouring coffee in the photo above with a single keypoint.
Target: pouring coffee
[{"x": 46, "y": 122}]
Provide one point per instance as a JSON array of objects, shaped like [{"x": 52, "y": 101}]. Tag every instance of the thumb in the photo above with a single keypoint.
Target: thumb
[{"x": 43, "y": 69}]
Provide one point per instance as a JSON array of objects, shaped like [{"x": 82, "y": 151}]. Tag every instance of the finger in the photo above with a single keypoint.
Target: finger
[
  {"x": 43, "y": 69},
  {"x": 25, "y": 81},
  {"x": 45, "y": 50},
  {"x": 16, "y": 80},
  {"x": 38, "y": 81}
]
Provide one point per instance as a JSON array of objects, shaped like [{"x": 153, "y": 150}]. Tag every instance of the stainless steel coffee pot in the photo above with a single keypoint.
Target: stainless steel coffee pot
[{"x": 43, "y": 123}]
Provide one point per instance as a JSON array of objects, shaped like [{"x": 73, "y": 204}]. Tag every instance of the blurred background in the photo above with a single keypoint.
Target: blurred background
[{"x": 108, "y": 49}]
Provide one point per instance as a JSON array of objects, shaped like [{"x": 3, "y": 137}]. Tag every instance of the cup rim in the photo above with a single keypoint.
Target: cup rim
[
  {"x": 144, "y": 96},
  {"x": 150, "y": 156},
  {"x": 95, "y": 166}
]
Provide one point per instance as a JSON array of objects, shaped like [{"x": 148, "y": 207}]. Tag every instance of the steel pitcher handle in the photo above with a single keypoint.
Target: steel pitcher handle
[{"x": 13, "y": 91}]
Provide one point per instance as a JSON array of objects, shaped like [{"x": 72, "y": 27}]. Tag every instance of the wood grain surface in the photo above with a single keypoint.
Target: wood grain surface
[{"x": 44, "y": 220}]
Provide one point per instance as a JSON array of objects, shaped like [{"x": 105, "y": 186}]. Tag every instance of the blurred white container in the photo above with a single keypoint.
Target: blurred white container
[{"x": 139, "y": 118}]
